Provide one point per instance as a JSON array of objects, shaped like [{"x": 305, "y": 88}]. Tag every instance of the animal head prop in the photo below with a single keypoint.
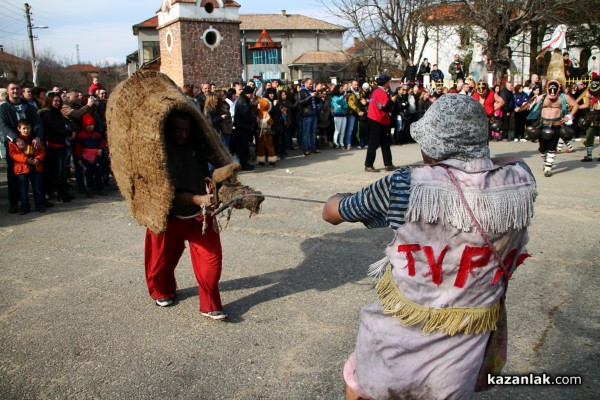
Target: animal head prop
[{"x": 136, "y": 114}]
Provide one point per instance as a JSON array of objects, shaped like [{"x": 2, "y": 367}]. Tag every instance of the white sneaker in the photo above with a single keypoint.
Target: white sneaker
[
  {"x": 164, "y": 302},
  {"x": 216, "y": 315},
  {"x": 523, "y": 140},
  {"x": 516, "y": 140}
]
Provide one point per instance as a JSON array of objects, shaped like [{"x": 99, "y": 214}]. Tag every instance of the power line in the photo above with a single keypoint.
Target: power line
[
  {"x": 12, "y": 23},
  {"x": 10, "y": 33},
  {"x": 6, "y": 2},
  {"x": 14, "y": 3},
  {"x": 10, "y": 16}
]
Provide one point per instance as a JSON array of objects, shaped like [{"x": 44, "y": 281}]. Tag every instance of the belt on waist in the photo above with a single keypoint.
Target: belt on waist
[{"x": 552, "y": 122}]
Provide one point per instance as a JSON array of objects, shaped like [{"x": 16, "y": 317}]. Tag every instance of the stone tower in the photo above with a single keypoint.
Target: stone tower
[{"x": 200, "y": 41}]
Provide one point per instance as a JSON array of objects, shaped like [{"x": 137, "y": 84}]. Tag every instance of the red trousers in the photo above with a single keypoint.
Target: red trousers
[{"x": 162, "y": 253}]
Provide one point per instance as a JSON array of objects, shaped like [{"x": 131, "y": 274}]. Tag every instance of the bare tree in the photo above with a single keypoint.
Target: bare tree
[
  {"x": 400, "y": 25},
  {"x": 502, "y": 20}
]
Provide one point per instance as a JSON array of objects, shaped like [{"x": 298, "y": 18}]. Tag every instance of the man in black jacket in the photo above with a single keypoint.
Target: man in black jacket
[
  {"x": 244, "y": 125},
  {"x": 424, "y": 69},
  {"x": 507, "y": 109},
  {"x": 12, "y": 111},
  {"x": 307, "y": 110},
  {"x": 410, "y": 73},
  {"x": 402, "y": 116}
]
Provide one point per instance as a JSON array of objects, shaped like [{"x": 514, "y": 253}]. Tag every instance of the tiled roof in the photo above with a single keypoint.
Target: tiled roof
[
  {"x": 228, "y": 3},
  {"x": 322, "y": 57},
  {"x": 83, "y": 68},
  {"x": 450, "y": 14},
  {"x": 267, "y": 21},
  {"x": 149, "y": 23},
  {"x": 286, "y": 22},
  {"x": 7, "y": 57},
  {"x": 362, "y": 47}
]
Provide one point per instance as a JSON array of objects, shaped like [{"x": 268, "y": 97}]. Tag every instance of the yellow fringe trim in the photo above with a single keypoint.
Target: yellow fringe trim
[{"x": 444, "y": 320}]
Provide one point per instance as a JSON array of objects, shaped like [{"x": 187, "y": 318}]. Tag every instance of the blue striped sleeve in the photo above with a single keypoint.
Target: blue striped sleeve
[{"x": 380, "y": 204}]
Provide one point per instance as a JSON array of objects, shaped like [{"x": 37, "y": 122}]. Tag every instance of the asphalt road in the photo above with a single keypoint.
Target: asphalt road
[{"x": 77, "y": 323}]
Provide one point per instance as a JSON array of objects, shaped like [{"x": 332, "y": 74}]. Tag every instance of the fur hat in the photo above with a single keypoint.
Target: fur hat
[
  {"x": 556, "y": 69},
  {"x": 455, "y": 126}
]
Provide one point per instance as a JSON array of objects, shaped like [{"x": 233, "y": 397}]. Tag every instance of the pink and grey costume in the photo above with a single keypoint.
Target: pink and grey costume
[{"x": 440, "y": 286}]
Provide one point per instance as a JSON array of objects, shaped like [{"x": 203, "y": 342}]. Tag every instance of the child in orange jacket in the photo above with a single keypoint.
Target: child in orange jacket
[{"x": 28, "y": 168}]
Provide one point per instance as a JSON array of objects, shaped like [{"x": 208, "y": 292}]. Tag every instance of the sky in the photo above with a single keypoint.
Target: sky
[{"x": 102, "y": 28}]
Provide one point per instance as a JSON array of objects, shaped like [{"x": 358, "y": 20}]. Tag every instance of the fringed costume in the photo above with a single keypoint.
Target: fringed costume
[{"x": 441, "y": 286}]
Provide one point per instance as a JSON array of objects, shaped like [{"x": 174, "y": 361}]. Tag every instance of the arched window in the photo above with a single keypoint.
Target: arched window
[{"x": 209, "y": 5}]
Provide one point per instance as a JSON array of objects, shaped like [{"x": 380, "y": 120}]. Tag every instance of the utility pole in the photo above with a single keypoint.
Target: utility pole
[
  {"x": 77, "y": 52},
  {"x": 30, "y": 34}
]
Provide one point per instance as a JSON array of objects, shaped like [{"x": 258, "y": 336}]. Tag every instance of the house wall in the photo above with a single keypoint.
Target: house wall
[
  {"x": 145, "y": 35},
  {"x": 294, "y": 43}
]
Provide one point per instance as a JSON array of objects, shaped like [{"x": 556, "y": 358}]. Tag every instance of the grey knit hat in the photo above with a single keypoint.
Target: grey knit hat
[{"x": 455, "y": 126}]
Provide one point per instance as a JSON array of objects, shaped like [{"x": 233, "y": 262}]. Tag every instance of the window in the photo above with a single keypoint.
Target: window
[
  {"x": 150, "y": 50},
  {"x": 270, "y": 56},
  {"x": 212, "y": 38}
]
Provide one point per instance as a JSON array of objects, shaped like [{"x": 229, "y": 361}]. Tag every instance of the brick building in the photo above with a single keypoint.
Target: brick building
[{"x": 309, "y": 47}]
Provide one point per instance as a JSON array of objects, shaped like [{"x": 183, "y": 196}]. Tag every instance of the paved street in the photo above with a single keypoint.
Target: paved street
[{"x": 77, "y": 321}]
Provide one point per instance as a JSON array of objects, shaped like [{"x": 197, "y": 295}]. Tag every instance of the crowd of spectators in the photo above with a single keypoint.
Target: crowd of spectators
[
  {"x": 52, "y": 137},
  {"x": 257, "y": 121}
]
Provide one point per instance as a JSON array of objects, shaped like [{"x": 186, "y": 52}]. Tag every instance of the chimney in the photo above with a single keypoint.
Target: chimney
[
  {"x": 1, "y": 48},
  {"x": 283, "y": 12},
  {"x": 355, "y": 41}
]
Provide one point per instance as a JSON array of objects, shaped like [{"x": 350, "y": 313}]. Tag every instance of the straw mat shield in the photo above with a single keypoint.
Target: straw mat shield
[{"x": 136, "y": 114}]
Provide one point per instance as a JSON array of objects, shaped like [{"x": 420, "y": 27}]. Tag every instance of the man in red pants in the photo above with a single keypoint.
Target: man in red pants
[{"x": 188, "y": 169}]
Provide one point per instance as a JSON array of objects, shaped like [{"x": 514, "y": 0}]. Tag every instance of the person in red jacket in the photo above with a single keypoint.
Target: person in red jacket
[
  {"x": 378, "y": 116},
  {"x": 491, "y": 102},
  {"x": 27, "y": 167},
  {"x": 88, "y": 153}
]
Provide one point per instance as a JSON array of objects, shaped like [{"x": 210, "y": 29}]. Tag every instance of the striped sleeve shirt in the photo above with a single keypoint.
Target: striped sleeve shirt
[{"x": 380, "y": 204}]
